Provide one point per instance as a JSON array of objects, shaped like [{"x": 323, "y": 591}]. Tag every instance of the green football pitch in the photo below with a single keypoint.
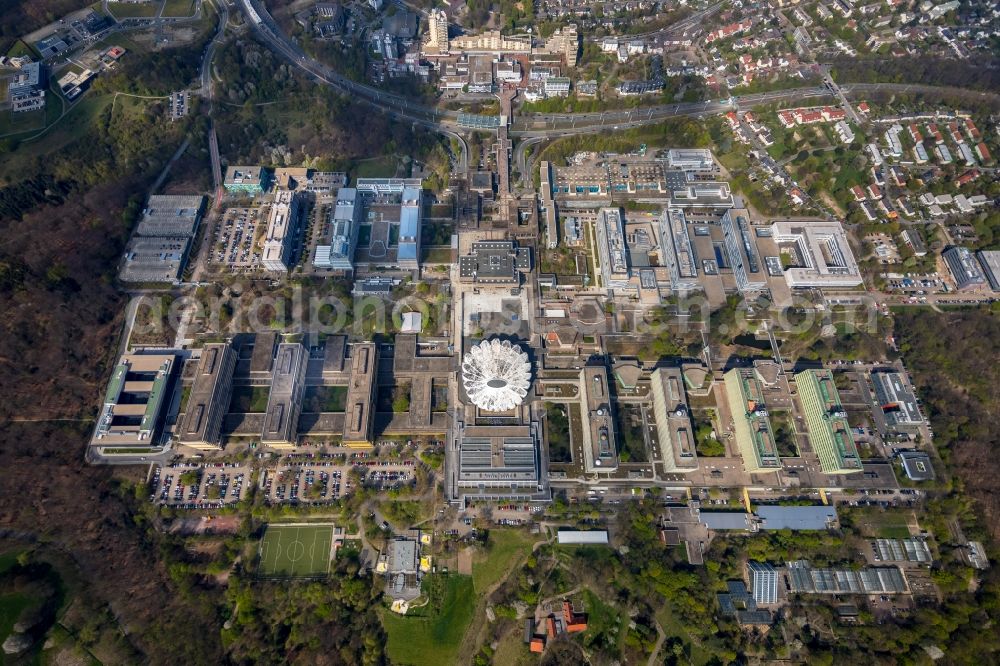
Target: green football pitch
[{"x": 295, "y": 550}]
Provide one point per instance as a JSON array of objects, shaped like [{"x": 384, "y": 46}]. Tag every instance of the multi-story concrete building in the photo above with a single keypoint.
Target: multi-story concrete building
[
  {"x": 361, "y": 396},
  {"x": 566, "y": 42},
  {"x": 817, "y": 254},
  {"x": 754, "y": 437},
  {"x": 284, "y": 403},
  {"x": 611, "y": 251},
  {"x": 134, "y": 401},
  {"x": 208, "y": 401},
  {"x": 694, "y": 159},
  {"x": 829, "y": 432},
  {"x": 436, "y": 42},
  {"x": 742, "y": 251},
  {"x": 409, "y": 228},
  {"x": 600, "y": 450},
  {"x": 246, "y": 180},
  {"x": 345, "y": 224},
  {"x": 673, "y": 421},
  {"x": 282, "y": 231}
]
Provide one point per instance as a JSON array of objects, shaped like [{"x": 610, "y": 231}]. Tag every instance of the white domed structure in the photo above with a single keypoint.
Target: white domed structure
[{"x": 496, "y": 375}]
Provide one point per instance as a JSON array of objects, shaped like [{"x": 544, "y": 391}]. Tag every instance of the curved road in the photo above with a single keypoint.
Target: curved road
[{"x": 539, "y": 125}]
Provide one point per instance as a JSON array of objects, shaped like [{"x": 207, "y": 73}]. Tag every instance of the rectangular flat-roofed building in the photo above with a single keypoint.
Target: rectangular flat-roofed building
[
  {"x": 499, "y": 462},
  {"x": 284, "y": 403},
  {"x": 361, "y": 395},
  {"x": 990, "y": 262},
  {"x": 676, "y": 251},
  {"x": 611, "y": 250},
  {"x": 896, "y": 399},
  {"x": 494, "y": 262},
  {"x": 155, "y": 259},
  {"x": 673, "y": 421},
  {"x": 695, "y": 159},
  {"x": 250, "y": 180},
  {"x": 209, "y": 398},
  {"x": 742, "y": 251},
  {"x": 754, "y": 436},
  {"x": 817, "y": 254},
  {"x": 345, "y": 225},
  {"x": 829, "y": 432},
  {"x": 582, "y": 537},
  {"x": 964, "y": 268},
  {"x": 409, "y": 228},
  {"x": 703, "y": 194},
  {"x": 599, "y": 443},
  {"x": 282, "y": 231},
  {"x": 171, "y": 215},
  {"x": 778, "y": 517},
  {"x": 134, "y": 401}
]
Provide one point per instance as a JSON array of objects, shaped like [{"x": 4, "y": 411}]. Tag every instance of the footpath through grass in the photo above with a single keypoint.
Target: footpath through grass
[
  {"x": 431, "y": 635},
  {"x": 493, "y": 563}
]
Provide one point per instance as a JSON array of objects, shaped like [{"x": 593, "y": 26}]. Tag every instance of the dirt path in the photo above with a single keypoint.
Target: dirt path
[{"x": 479, "y": 626}]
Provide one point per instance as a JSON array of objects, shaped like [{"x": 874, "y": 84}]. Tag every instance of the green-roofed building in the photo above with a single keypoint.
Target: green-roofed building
[
  {"x": 829, "y": 432},
  {"x": 754, "y": 436},
  {"x": 134, "y": 401}
]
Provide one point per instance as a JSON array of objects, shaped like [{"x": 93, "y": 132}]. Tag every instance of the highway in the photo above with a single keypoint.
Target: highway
[{"x": 545, "y": 125}]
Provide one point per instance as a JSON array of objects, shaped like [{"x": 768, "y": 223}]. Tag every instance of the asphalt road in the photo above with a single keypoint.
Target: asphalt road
[{"x": 538, "y": 125}]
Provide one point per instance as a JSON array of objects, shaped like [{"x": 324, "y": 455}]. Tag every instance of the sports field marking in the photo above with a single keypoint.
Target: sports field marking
[{"x": 296, "y": 550}]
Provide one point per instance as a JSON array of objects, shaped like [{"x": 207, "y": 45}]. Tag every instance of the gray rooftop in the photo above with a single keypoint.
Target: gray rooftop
[{"x": 796, "y": 517}]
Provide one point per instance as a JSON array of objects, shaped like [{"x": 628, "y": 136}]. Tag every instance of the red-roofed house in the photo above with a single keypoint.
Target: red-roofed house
[
  {"x": 982, "y": 152},
  {"x": 538, "y": 644},
  {"x": 574, "y": 621},
  {"x": 864, "y": 108},
  {"x": 859, "y": 194},
  {"x": 972, "y": 130},
  {"x": 968, "y": 177},
  {"x": 832, "y": 114}
]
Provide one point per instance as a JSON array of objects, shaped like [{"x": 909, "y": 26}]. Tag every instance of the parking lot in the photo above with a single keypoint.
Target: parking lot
[
  {"x": 319, "y": 482},
  {"x": 215, "y": 485},
  {"x": 235, "y": 237}
]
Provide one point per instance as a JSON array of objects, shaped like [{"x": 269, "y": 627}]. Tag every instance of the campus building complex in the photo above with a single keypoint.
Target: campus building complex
[
  {"x": 135, "y": 401},
  {"x": 829, "y": 432},
  {"x": 816, "y": 254},
  {"x": 754, "y": 436},
  {"x": 600, "y": 449},
  {"x": 345, "y": 225},
  {"x": 209, "y": 398},
  {"x": 282, "y": 232},
  {"x": 284, "y": 402},
  {"x": 361, "y": 396},
  {"x": 742, "y": 252},
  {"x": 673, "y": 421}
]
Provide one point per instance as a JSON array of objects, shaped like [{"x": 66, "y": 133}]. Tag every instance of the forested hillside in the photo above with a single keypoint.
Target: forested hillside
[{"x": 954, "y": 360}]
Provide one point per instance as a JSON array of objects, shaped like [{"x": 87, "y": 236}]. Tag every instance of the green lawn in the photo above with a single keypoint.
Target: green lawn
[
  {"x": 376, "y": 167},
  {"x": 324, "y": 399},
  {"x": 505, "y": 548},
  {"x": 134, "y": 10},
  {"x": 295, "y": 550},
  {"x": 434, "y": 634},
  {"x": 249, "y": 399},
  {"x": 179, "y": 8},
  {"x": 74, "y": 124}
]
